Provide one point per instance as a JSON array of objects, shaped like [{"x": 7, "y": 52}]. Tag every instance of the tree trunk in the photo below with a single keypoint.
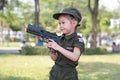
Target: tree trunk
[
  {"x": 36, "y": 18},
  {"x": 2, "y": 4},
  {"x": 94, "y": 32},
  {"x": 94, "y": 14}
]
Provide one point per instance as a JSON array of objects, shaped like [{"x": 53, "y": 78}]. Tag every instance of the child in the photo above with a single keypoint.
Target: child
[{"x": 69, "y": 48}]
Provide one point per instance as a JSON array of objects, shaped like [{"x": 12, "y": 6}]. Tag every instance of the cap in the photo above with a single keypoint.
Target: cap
[{"x": 69, "y": 11}]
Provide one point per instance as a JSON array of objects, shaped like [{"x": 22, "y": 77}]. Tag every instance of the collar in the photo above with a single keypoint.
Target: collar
[{"x": 69, "y": 36}]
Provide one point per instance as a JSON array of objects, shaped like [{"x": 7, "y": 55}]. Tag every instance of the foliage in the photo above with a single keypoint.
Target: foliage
[
  {"x": 47, "y": 9},
  {"x": 29, "y": 50},
  {"x": 10, "y": 16},
  {"x": 104, "y": 20},
  {"x": 18, "y": 14},
  {"x": 3, "y": 21},
  {"x": 95, "y": 51},
  {"x": 23, "y": 13}
]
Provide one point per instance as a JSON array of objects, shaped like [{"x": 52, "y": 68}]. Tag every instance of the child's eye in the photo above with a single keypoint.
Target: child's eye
[
  {"x": 63, "y": 22},
  {"x": 59, "y": 23}
]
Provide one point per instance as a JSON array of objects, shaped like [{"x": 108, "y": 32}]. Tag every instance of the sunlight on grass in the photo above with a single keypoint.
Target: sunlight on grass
[
  {"x": 99, "y": 67},
  {"x": 102, "y": 58},
  {"x": 91, "y": 67},
  {"x": 32, "y": 67}
]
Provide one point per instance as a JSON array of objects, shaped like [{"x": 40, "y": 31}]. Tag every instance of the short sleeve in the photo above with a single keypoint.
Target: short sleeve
[{"x": 79, "y": 42}]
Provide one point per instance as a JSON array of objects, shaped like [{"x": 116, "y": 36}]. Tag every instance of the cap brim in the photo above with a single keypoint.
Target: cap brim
[{"x": 56, "y": 16}]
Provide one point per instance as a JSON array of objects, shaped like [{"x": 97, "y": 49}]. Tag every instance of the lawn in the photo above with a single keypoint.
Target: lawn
[
  {"x": 91, "y": 67},
  {"x": 10, "y": 44}
]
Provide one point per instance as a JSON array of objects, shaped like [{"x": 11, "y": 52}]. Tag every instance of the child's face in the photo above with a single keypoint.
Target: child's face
[{"x": 67, "y": 25}]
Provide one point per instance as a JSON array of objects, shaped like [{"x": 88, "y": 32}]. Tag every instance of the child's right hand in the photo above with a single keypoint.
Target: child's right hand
[
  {"x": 52, "y": 44},
  {"x": 48, "y": 44}
]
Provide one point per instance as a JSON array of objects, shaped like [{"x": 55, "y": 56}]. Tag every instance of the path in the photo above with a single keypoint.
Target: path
[{"x": 10, "y": 50}]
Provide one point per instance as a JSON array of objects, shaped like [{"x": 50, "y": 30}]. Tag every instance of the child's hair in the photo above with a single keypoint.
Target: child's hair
[{"x": 72, "y": 17}]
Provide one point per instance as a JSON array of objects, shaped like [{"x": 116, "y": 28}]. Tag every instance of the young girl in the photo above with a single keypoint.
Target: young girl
[{"x": 69, "y": 48}]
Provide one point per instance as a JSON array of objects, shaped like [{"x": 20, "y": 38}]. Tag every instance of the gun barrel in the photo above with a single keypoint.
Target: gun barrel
[
  {"x": 41, "y": 32},
  {"x": 34, "y": 30}
]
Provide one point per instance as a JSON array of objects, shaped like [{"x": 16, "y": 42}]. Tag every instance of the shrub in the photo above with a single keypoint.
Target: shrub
[
  {"x": 29, "y": 50},
  {"x": 91, "y": 51}
]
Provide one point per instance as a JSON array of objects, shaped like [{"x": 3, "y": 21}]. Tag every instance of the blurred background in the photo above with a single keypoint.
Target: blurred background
[
  {"x": 100, "y": 29},
  {"x": 99, "y": 26}
]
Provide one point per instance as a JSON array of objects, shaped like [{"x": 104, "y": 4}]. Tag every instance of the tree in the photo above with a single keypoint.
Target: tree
[
  {"x": 2, "y": 4},
  {"x": 36, "y": 16},
  {"x": 37, "y": 12},
  {"x": 94, "y": 15}
]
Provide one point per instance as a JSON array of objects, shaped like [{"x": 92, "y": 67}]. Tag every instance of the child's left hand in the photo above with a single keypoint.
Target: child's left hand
[{"x": 52, "y": 44}]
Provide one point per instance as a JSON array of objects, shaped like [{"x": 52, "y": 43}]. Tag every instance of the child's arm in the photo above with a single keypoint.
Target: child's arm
[{"x": 74, "y": 56}]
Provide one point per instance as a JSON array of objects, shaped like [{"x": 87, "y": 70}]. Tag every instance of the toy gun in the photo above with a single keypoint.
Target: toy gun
[{"x": 42, "y": 33}]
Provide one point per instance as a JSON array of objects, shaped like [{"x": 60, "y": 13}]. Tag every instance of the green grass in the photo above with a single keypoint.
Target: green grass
[
  {"x": 91, "y": 67},
  {"x": 99, "y": 67},
  {"x": 10, "y": 44}
]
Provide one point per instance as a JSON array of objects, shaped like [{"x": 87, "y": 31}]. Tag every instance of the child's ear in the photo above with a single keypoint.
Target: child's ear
[{"x": 74, "y": 23}]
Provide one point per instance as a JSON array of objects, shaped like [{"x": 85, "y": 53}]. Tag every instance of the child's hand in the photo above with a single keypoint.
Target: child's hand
[
  {"x": 52, "y": 44},
  {"x": 47, "y": 43}
]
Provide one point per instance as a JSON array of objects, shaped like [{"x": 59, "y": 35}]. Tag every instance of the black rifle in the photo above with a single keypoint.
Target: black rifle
[{"x": 42, "y": 33}]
